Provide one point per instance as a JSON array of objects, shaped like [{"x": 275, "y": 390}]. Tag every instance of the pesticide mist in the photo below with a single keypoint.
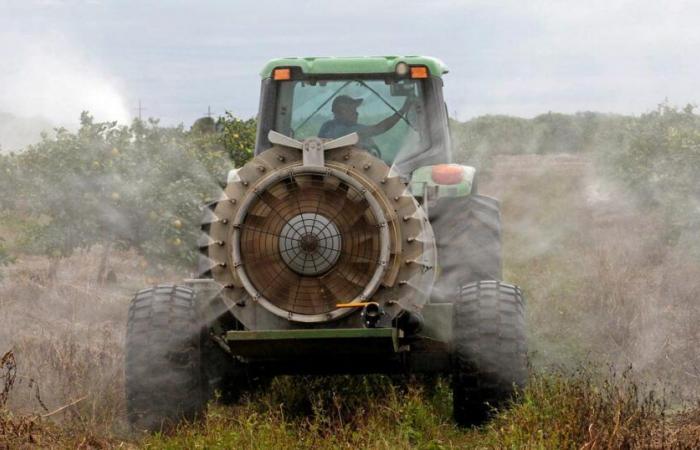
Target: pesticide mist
[
  {"x": 600, "y": 239},
  {"x": 31, "y": 102}
]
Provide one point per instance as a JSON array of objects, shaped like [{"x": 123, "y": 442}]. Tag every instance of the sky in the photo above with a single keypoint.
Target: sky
[{"x": 181, "y": 57}]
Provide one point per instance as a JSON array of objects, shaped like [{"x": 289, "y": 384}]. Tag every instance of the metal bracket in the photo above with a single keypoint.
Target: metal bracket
[
  {"x": 313, "y": 148},
  {"x": 312, "y": 152},
  {"x": 285, "y": 141}
]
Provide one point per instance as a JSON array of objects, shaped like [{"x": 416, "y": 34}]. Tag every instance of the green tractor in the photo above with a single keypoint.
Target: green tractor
[{"x": 349, "y": 244}]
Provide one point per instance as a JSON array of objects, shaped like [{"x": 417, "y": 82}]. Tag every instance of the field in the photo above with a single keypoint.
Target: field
[{"x": 612, "y": 316}]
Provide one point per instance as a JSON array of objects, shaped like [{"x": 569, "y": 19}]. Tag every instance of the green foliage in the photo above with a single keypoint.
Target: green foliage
[
  {"x": 658, "y": 160},
  {"x": 478, "y": 140},
  {"x": 656, "y": 156},
  {"x": 325, "y": 413},
  {"x": 137, "y": 187},
  {"x": 238, "y": 137},
  {"x": 8, "y": 181}
]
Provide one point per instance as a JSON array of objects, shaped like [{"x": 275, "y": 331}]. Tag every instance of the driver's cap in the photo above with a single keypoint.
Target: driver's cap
[{"x": 343, "y": 100}]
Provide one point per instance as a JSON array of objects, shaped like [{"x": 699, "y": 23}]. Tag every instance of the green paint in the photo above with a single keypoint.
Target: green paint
[
  {"x": 325, "y": 333},
  {"x": 423, "y": 177},
  {"x": 354, "y": 65}
]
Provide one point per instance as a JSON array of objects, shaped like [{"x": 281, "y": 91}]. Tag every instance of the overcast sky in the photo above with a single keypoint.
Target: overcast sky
[{"x": 179, "y": 57}]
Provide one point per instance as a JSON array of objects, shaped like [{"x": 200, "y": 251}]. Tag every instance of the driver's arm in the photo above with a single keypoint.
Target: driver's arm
[{"x": 386, "y": 124}]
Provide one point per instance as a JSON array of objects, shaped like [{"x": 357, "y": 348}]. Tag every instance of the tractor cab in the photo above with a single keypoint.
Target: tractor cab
[{"x": 395, "y": 104}]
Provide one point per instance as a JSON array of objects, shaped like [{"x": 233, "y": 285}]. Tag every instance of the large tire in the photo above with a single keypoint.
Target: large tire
[
  {"x": 489, "y": 352},
  {"x": 468, "y": 238},
  {"x": 164, "y": 378}
]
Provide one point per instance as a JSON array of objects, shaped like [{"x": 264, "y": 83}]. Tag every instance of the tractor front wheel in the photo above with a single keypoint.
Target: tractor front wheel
[
  {"x": 164, "y": 378},
  {"x": 489, "y": 353}
]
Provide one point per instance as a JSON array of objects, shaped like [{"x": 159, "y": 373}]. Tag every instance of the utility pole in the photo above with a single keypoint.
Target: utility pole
[
  {"x": 209, "y": 111},
  {"x": 140, "y": 109}
]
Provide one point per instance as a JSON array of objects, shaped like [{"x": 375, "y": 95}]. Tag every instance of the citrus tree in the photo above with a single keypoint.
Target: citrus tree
[
  {"x": 658, "y": 160},
  {"x": 137, "y": 186}
]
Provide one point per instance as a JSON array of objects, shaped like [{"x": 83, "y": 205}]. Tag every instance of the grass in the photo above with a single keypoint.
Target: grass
[
  {"x": 565, "y": 410},
  {"x": 555, "y": 411},
  {"x": 605, "y": 292}
]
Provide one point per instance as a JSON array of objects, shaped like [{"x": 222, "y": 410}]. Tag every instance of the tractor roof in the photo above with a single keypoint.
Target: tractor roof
[{"x": 354, "y": 65}]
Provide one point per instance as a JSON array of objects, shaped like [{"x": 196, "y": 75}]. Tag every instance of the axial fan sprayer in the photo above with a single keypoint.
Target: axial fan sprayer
[
  {"x": 350, "y": 243},
  {"x": 308, "y": 226}
]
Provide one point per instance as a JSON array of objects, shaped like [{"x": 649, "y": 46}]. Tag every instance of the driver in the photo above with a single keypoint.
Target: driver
[{"x": 345, "y": 116}]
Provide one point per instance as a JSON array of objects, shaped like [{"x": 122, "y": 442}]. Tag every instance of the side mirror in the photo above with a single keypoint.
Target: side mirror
[{"x": 402, "y": 89}]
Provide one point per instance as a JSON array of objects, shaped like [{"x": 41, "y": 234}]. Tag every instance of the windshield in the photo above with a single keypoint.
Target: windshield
[{"x": 389, "y": 115}]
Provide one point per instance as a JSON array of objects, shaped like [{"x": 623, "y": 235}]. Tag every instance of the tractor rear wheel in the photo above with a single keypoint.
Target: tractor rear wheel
[
  {"x": 468, "y": 238},
  {"x": 489, "y": 353},
  {"x": 164, "y": 378}
]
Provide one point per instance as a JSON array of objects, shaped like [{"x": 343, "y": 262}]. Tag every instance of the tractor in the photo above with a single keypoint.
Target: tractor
[{"x": 349, "y": 244}]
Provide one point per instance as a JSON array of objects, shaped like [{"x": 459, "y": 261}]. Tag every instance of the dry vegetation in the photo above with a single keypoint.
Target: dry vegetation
[{"x": 605, "y": 291}]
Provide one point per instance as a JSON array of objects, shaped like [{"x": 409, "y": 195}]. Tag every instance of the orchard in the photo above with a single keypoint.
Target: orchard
[{"x": 138, "y": 186}]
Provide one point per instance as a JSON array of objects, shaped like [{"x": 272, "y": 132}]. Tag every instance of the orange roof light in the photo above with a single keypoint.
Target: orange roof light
[
  {"x": 447, "y": 174},
  {"x": 419, "y": 72},
  {"x": 282, "y": 74}
]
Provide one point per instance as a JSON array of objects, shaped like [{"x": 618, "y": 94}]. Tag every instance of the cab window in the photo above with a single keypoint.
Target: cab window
[{"x": 303, "y": 107}]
